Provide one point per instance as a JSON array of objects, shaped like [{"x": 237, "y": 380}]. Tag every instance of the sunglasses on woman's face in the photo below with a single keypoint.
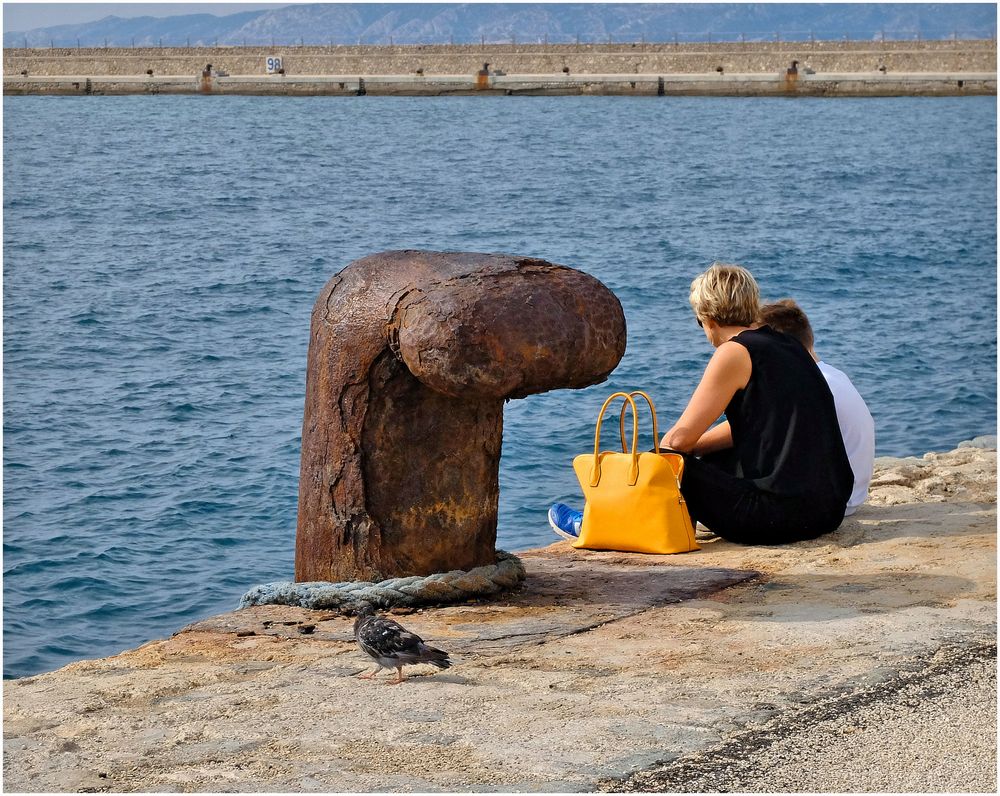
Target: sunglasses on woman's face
[{"x": 698, "y": 320}]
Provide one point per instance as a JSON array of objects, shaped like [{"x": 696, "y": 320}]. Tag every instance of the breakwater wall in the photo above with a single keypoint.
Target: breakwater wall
[
  {"x": 891, "y": 67},
  {"x": 895, "y": 56}
]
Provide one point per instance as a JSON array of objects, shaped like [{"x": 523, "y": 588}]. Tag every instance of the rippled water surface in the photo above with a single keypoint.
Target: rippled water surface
[{"x": 162, "y": 254}]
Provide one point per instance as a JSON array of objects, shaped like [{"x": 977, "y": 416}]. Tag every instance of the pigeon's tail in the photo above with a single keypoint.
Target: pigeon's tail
[{"x": 434, "y": 657}]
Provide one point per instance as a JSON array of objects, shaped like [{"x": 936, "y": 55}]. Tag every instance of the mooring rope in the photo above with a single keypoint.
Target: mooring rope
[{"x": 439, "y": 588}]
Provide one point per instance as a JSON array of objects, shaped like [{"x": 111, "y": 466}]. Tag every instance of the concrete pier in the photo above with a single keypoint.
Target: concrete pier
[
  {"x": 842, "y": 84},
  {"x": 862, "y": 661},
  {"x": 725, "y": 69}
]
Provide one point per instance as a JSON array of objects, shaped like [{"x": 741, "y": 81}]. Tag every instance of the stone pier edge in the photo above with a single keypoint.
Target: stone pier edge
[{"x": 860, "y": 84}]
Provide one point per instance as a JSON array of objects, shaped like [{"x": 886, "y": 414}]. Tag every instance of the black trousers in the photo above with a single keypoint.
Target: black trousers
[{"x": 735, "y": 509}]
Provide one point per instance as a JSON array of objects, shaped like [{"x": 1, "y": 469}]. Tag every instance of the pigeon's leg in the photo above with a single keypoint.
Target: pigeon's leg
[
  {"x": 370, "y": 675},
  {"x": 399, "y": 677}
]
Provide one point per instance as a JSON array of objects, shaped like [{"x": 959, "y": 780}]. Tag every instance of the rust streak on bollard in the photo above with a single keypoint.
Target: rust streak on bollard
[
  {"x": 206, "y": 80},
  {"x": 792, "y": 76},
  {"x": 411, "y": 357},
  {"x": 483, "y": 77}
]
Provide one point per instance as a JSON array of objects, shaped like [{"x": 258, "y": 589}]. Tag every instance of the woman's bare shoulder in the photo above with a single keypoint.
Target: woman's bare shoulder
[
  {"x": 731, "y": 361},
  {"x": 732, "y": 351}
]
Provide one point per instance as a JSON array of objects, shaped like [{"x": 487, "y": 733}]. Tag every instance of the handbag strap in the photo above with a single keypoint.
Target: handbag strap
[
  {"x": 633, "y": 475},
  {"x": 679, "y": 474},
  {"x": 652, "y": 411}
]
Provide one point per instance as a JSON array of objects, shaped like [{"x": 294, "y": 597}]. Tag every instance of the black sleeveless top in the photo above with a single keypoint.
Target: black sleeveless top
[{"x": 786, "y": 438}]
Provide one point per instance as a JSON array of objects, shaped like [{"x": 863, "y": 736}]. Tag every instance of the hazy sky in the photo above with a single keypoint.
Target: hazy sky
[{"x": 27, "y": 16}]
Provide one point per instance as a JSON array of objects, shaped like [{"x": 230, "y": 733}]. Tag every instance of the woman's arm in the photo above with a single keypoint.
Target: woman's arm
[
  {"x": 717, "y": 438},
  {"x": 728, "y": 371}
]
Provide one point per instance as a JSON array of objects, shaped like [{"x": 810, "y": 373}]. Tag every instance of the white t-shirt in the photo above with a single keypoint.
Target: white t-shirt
[{"x": 858, "y": 430}]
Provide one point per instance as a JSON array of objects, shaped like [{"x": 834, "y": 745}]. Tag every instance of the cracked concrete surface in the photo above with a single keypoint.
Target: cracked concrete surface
[{"x": 618, "y": 671}]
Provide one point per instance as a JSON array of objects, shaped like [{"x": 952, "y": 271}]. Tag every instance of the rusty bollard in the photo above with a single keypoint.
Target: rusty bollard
[
  {"x": 206, "y": 80},
  {"x": 792, "y": 76},
  {"x": 411, "y": 356},
  {"x": 483, "y": 77}
]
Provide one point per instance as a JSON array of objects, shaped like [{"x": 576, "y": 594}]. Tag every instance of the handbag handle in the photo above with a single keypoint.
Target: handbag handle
[
  {"x": 652, "y": 411},
  {"x": 633, "y": 473},
  {"x": 656, "y": 436}
]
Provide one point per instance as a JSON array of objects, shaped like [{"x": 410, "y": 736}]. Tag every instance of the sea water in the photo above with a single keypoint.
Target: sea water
[{"x": 162, "y": 255}]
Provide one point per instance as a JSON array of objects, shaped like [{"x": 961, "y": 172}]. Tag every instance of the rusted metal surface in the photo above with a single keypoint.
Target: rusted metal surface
[
  {"x": 792, "y": 76},
  {"x": 411, "y": 356},
  {"x": 483, "y": 77}
]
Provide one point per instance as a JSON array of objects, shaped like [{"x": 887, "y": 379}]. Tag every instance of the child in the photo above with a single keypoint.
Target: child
[{"x": 856, "y": 424}]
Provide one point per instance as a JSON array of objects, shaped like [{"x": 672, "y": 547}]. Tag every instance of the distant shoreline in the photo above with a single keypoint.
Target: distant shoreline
[{"x": 845, "y": 69}]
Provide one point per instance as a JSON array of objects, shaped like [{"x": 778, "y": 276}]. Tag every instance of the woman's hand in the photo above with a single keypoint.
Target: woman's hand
[{"x": 728, "y": 371}]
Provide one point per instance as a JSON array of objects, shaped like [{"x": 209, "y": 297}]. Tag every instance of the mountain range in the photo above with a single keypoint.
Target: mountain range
[{"x": 443, "y": 23}]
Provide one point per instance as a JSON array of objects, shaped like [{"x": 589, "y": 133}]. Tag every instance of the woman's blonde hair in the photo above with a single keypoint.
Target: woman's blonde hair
[{"x": 728, "y": 294}]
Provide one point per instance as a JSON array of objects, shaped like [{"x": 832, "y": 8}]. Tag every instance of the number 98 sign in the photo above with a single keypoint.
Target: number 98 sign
[{"x": 273, "y": 64}]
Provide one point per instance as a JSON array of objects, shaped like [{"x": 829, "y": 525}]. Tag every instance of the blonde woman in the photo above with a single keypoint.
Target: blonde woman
[{"x": 775, "y": 471}]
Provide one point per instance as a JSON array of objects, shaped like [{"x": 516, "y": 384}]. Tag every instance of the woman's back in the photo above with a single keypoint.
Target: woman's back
[{"x": 786, "y": 438}]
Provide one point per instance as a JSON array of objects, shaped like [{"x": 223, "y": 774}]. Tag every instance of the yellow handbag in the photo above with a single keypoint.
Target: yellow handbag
[{"x": 633, "y": 500}]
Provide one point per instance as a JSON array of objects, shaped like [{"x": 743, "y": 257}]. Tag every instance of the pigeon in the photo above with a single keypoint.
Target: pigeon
[{"x": 391, "y": 645}]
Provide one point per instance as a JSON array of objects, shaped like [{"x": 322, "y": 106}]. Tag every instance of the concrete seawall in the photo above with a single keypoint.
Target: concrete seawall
[
  {"x": 872, "y": 84},
  {"x": 862, "y": 661},
  {"x": 752, "y": 68}
]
